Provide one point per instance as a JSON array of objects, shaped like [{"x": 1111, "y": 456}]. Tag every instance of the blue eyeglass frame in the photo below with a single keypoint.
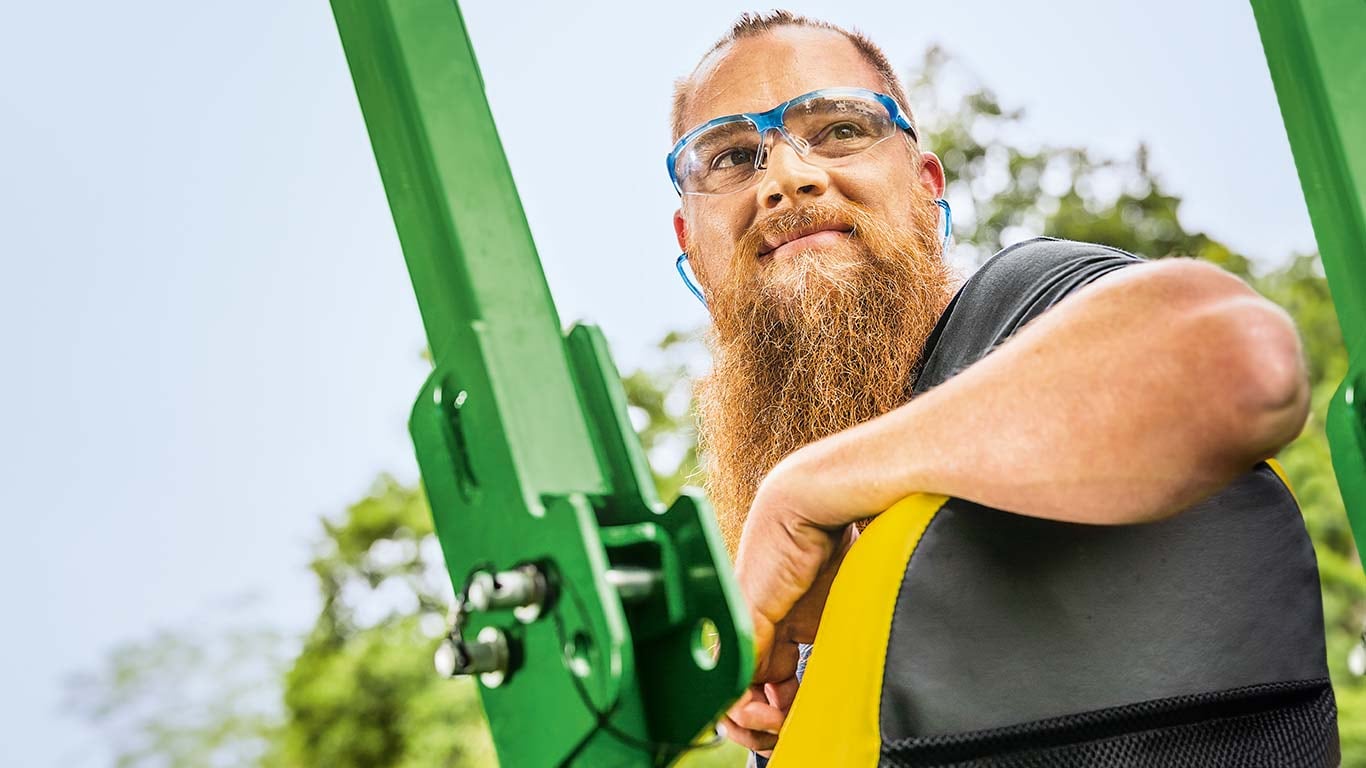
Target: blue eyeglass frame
[{"x": 772, "y": 120}]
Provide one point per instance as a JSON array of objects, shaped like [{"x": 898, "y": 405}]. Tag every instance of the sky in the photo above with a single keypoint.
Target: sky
[{"x": 208, "y": 333}]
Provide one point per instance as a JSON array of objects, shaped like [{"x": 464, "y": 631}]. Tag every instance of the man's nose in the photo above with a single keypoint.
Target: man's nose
[{"x": 788, "y": 176}]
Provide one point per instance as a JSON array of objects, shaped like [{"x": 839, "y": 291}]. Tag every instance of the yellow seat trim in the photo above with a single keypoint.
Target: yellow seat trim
[
  {"x": 834, "y": 720},
  {"x": 1280, "y": 472}
]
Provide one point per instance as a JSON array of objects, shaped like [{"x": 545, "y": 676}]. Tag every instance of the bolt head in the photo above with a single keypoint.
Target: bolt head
[{"x": 445, "y": 657}]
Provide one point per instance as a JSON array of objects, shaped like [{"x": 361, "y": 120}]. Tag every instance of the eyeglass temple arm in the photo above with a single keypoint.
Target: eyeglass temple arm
[{"x": 683, "y": 273}]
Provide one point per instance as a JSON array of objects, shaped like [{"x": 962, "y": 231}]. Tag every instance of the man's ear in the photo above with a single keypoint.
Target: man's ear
[
  {"x": 681, "y": 230},
  {"x": 932, "y": 173}
]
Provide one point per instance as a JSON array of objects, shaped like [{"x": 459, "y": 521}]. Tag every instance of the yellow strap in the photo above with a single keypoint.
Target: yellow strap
[
  {"x": 834, "y": 720},
  {"x": 1280, "y": 472}
]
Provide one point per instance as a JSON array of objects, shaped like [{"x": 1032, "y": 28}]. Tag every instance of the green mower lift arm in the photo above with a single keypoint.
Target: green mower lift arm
[
  {"x": 1316, "y": 50},
  {"x": 605, "y": 629}
]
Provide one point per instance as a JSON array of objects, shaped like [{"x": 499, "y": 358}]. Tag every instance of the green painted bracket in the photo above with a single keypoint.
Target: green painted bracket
[
  {"x": 1315, "y": 51},
  {"x": 522, "y": 435}
]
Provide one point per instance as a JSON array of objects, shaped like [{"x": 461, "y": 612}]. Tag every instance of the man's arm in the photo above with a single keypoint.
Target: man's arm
[
  {"x": 1134, "y": 398},
  {"x": 1137, "y": 397}
]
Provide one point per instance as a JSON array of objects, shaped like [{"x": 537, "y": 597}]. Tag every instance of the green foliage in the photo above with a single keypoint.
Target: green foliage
[
  {"x": 1005, "y": 190},
  {"x": 166, "y": 700},
  {"x": 661, "y": 411},
  {"x": 362, "y": 692}
]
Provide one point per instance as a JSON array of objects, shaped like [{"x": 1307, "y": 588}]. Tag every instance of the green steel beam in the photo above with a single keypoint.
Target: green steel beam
[
  {"x": 1316, "y": 50},
  {"x": 522, "y": 436}
]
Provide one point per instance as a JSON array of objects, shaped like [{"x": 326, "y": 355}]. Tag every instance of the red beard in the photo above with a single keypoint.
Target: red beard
[{"x": 812, "y": 343}]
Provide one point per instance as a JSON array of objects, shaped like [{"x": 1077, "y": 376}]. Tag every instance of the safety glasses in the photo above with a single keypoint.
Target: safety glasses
[{"x": 730, "y": 153}]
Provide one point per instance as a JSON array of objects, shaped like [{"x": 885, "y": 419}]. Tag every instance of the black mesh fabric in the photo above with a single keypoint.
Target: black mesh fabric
[{"x": 1282, "y": 725}]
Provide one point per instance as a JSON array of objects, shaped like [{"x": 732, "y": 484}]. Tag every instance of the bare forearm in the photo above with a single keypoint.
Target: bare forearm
[{"x": 1134, "y": 399}]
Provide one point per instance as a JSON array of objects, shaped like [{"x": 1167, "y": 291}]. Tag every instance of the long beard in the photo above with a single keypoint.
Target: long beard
[{"x": 811, "y": 345}]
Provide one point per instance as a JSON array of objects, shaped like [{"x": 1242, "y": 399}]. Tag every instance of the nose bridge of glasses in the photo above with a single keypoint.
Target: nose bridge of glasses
[
  {"x": 769, "y": 135},
  {"x": 796, "y": 144}
]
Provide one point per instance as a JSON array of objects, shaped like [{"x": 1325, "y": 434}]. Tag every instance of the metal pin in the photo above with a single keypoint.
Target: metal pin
[
  {"x": 487, "y": 657},
  {"x": 522, "y": 589},
  {"x": 634, "y": 584}
]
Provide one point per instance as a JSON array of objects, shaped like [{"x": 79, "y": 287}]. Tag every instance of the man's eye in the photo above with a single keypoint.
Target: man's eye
[
  {"x": 841, "y": 132},
  {"x": 732, "y": 158}
]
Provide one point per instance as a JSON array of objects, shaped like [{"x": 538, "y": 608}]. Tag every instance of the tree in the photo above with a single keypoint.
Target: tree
[
  {"x": 363, "y": 691},
  {"x": 200, "y": 696}
]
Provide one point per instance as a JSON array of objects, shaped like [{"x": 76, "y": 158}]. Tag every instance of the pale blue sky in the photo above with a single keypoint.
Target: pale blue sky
[{"x": 208, "y": 335}]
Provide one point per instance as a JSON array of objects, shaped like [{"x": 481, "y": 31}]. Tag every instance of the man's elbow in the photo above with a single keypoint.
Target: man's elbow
[{"x": 1268, "y": 386}]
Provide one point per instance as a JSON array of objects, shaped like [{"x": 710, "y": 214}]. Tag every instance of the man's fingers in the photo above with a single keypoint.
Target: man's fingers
[
  {"x": 753, "y": 712},
  {"x": 782, "y": 693},
  {"x": 754, "y": 692},
  {"x": 757, "y": 716},
  {"x": 757, "y": 741}
]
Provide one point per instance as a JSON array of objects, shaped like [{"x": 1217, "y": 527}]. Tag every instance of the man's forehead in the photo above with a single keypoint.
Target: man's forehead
[{"x": 757, "y": 73}]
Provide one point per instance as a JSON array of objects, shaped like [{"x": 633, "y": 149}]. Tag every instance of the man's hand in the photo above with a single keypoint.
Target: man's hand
[
  {"x": 754, "y": 721},
  {"x": 785, "y": 567}
]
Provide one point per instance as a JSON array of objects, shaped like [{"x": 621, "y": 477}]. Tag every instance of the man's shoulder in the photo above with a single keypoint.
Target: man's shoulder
[
  {"x": 1024, "y": 279},
  {"x": 1040, "y": 257},
  {"x": 1016, "y": 285}
]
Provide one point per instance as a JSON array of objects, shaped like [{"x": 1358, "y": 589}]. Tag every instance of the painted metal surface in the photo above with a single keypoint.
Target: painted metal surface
[
  {"x": 522, "y": 435},
  {"x": 1316, "y": 50}
]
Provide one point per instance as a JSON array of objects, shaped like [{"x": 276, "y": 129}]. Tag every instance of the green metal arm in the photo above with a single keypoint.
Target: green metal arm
[
  {"x": 588, "y": 610},
  {"x": 1315, "y": 52}
]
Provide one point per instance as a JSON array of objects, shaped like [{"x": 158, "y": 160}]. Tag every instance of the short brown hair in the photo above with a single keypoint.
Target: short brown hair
[{"x": 755, "y": 24}]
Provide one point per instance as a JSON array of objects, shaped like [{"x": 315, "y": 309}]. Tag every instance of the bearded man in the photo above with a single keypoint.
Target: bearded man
[{"x": 1099, "y": 424}]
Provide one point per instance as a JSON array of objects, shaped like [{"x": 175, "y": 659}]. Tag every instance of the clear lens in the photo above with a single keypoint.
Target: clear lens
[
  {"x": 838, "y": 127},
  {"x": 722, "y": 158}
]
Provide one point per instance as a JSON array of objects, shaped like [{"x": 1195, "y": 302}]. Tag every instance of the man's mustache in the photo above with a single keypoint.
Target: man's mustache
[{"x": 765, "y": 235}]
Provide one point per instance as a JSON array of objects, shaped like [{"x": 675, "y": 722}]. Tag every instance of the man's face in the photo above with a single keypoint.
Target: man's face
[{"x": 754, "y": 75}]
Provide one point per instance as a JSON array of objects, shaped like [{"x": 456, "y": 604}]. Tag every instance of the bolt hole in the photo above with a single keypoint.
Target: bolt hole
[
  {"x": 706, "y": 644},
  {"x": 576, "y": 655}
]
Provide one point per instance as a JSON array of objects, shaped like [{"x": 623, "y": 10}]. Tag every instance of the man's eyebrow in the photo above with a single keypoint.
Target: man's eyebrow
[{"x": 725, "y": 131}]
